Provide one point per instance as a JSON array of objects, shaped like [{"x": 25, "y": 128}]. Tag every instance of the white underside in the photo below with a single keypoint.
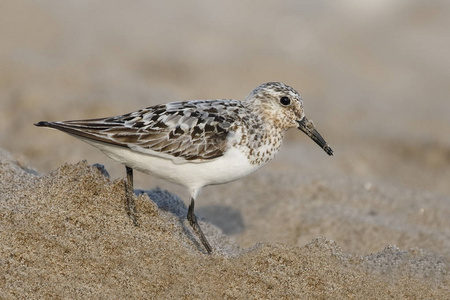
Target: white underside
[{"x": 231, "y": 166}]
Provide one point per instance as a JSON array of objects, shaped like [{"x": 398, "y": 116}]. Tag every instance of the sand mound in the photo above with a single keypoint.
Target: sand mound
[{"x": 66, "y": 235}]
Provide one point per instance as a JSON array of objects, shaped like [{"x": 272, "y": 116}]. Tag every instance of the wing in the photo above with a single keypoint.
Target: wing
[{"x": 193, "y": 130}]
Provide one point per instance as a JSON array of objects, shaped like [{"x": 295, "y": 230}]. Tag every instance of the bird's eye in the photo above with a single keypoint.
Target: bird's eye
[{"x": 285, "y": 100}]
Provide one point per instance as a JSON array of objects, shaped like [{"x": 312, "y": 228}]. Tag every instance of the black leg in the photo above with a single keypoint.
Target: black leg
[
  {"x": 129, "y": 191},
  {"x": 194, "y": 224}
]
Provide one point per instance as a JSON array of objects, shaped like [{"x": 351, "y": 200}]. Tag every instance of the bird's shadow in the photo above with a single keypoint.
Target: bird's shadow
[{"x": 228, "y": 219}]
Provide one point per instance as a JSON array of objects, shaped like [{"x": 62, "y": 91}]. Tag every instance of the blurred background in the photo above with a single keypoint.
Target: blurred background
[{"x": 374, "y": 77}]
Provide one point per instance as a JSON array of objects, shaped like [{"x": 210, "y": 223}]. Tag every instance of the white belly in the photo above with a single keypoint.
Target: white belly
[{"x": 231, "y": 166}]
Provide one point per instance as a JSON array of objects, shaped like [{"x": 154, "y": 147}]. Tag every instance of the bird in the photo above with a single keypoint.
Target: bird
[{"x": 197, "y": 143}]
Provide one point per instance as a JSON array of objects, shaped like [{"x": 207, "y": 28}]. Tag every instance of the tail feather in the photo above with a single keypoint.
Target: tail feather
[
  {"x": 42, "y": 124},
  {"x": 87, "y": 130}
]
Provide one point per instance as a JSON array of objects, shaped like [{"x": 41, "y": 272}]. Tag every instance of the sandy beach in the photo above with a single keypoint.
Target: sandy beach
[{"x": 370, "y": 222}]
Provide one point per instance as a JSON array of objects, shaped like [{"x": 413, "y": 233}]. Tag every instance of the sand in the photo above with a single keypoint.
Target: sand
[
  {"x": 370, "y": 222},
  {"x": 66, "y": 235}
]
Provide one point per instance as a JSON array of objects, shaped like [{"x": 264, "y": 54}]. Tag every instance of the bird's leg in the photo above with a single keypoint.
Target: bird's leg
[
  {"x": 129, "y": 191},
  {"x": 194, "y": 224}
]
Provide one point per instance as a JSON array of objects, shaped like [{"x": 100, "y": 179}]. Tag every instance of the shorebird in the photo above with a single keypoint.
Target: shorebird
[{"x": 200, "y": 142}]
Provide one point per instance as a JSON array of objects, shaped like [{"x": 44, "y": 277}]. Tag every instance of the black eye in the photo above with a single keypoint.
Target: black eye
[{"x": 285, "y": 100}]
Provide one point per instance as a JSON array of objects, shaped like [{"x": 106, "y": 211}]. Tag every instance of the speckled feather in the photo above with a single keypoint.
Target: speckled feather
[
  {"x": 200, "y": 130},
  {"x": 193, "y": 130}
]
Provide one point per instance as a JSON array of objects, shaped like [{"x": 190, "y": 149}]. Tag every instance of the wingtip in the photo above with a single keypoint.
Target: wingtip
[{"x": 41, "y": 124}]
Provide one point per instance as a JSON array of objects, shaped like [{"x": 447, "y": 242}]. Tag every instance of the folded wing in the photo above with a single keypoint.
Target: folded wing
[{"x": 194, "y": 130}]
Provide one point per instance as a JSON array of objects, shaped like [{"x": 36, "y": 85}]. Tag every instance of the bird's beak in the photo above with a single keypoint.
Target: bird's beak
[{"x": 307, "y": 127}]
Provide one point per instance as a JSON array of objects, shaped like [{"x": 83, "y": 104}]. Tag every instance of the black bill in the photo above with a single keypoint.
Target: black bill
[{"x": 307, "y": 127}]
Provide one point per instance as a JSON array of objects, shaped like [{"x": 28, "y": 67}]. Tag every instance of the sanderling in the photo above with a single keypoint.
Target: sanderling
[{"x": 198, "y": 143}]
